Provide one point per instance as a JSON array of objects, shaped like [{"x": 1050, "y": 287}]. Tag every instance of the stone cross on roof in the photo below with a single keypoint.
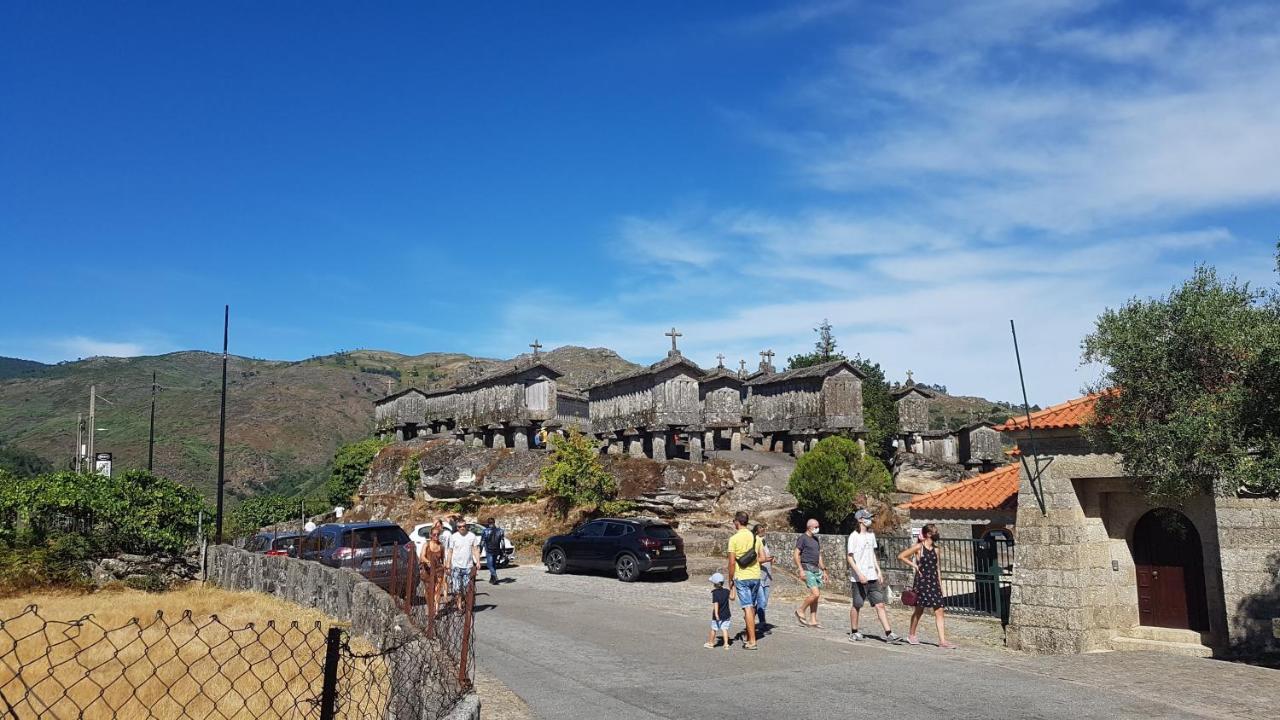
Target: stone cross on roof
[
  {"x": 909, "y": 380},
  {"x": 536, "y": 347},
  {"x": 720, "y": 357},
  {"x": 742, "y": 368},
  {"x": 766, "y": 361},
  {"x": 673, "y": 335}
]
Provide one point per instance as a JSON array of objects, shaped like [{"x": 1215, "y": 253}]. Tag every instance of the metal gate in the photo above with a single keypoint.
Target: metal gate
[{"x": 975, "y": 573}]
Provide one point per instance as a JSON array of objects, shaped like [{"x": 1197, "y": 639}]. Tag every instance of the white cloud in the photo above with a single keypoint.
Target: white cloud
[{"x": 79, "y": 346}]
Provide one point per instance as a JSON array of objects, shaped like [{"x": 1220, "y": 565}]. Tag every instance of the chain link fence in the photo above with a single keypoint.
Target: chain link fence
[{"x": 201, "y": 668}]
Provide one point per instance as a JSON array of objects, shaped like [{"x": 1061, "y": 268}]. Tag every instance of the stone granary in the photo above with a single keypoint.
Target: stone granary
[
  {"x": 642, "y": 412},
  {"x": 504, "y": 407},
  {"x": 981, "y": 446},
  {"x": 977, "y": 446},
  {"x": 1104, "y": 567},
  {"x": 791, "y": 410},
  {"x": 722, "y": 394},
  {"x": 403, "y": 412}
]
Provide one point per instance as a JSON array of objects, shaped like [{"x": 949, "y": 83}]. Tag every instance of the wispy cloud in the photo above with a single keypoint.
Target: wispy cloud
[
  {"x": 80, "y": 346},
  {"x": 974, "y": 163}
]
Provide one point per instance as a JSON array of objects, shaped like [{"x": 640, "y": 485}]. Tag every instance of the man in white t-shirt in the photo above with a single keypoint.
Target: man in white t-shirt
[
  {"x": 865, "y": 577},
  {"x": 462, "y": 557}
]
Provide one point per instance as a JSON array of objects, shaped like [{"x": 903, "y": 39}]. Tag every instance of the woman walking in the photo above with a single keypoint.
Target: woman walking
[
  {"x": 432, "y": 559},
  {"x": 923, "y": 556}
]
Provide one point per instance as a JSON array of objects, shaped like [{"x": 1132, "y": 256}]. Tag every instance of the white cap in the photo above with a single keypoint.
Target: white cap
[{"x": 716, "y": 578}]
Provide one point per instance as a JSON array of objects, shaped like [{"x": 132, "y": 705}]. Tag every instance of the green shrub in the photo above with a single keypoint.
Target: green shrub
[
  {"x": 350, "y": 464},
  {"x": 409, "y": 473},
  {"x": 260, "y": 511},
  {"x": 575, "y": 473},
  {"x": 616, "y": 508},
  {"x": 829, "y": 479}
]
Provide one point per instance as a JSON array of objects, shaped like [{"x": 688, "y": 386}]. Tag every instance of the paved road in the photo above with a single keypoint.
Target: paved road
[{"x": 585, "y": 646}]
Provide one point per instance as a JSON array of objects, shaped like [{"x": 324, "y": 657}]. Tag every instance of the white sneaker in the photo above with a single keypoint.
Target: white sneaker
[{"x": 856, "y": 636}]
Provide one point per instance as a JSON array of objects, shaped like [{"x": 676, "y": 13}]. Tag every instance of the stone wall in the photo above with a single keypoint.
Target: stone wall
[
  {"x": 626, "y": 405},
  {"x": 913, "y": 413},
  {"x": 339, "y": 593},
  {"x": 722, "y": 406},
  {"x": 1249, "y": 542},
  {"x": 981, "y": 444},
  {"x": 411, "y": 407},
  {"x": 787, "y": 406}
]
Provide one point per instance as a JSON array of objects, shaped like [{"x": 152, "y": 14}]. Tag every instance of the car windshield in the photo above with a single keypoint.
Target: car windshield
[
  {"x": 285, "y": 543},
  {"x": 661, "y": 532},
  {"x": 366, "y": 537}
]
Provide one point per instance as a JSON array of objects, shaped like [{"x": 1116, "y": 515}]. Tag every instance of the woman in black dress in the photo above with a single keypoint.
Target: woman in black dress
[{"x": 923, "y": 556}]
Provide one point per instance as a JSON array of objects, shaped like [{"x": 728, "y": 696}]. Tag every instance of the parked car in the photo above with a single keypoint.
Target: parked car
[
  {"x": 422, "y": 532},
  {"x": 630, "y": 547},
  {"x": 273, "y": 543},
  {"x": 372, "y": 548}
]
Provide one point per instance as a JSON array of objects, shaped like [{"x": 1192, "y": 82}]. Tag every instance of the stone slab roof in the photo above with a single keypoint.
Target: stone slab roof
[
  {"x": 988, "y": 491},
  {"x": 398, "y": 395},
  {"x": 908, "y": 389},
  {"x": 511, "y": 369},
  {"x": 813, "y": 371},
  {"x": 724, "y": 373},
  {"x": 669, "y": 362}
]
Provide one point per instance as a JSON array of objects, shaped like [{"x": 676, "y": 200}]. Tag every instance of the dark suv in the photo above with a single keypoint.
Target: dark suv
[
  {"x": 274, "y": 543},
  {"x": 374, "y": 549},
  {"x": 629, "y": 547}
]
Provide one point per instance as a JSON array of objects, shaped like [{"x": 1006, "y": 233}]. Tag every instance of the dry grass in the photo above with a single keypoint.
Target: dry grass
[{"x": 237, "y": 655}]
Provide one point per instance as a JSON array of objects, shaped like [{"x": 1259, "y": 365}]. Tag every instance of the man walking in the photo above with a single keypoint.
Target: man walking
[
  {"x": 865, "y": 577},
  {"x": 745, "y": 552},
  {"x": 492, "y": 538},
  {"x": 808, "y": 557},
  {"x": 462, "y": 558}
]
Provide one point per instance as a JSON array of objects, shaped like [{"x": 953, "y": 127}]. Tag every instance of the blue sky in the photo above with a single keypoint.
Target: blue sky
[{"x": 418, "y": 178}]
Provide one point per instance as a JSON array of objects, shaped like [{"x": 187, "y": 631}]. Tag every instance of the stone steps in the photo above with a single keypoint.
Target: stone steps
[
  {"x": 1187, "y": 649},
  {"x": 1162, "y": 634}
]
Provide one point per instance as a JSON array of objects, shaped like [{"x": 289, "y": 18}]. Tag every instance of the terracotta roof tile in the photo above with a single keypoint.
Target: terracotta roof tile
[
  {"x": 1070, "y": 414},
  {"x": 987, "y": 491}
]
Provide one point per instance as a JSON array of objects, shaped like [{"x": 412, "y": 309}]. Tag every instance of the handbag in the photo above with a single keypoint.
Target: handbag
[
  {"x": 748, "y": 558},
  {"x": 909, "y": 597}
]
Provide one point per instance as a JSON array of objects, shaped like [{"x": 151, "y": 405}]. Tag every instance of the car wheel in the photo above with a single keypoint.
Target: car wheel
[
  {"x": 627, "y": 567},
  {"x": 556, "y": 561}
]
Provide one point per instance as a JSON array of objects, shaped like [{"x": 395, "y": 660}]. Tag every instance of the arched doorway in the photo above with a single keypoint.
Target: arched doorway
[{"x": 1170, "y": 565}]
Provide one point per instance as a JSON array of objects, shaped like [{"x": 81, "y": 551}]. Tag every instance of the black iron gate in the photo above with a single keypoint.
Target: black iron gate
[{"x": 975, "y": 573}]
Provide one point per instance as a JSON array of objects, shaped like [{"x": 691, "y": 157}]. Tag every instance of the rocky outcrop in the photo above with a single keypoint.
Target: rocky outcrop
[
  {"x": 151, "y": 572},
  {"x": 449, "y": 471},
  {"x": 914, "y": 473}
]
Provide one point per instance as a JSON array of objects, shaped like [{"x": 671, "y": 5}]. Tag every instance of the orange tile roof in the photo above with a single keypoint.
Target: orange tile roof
[
  {"x": 1070, "y": 414},
  {"x": 987, "y": 491}
]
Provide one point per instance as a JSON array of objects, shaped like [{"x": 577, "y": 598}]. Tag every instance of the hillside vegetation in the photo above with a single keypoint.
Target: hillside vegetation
[{"x": 284, "y": 419}]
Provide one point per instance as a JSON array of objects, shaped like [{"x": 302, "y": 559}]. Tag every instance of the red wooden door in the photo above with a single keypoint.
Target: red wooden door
[{"x": 1162, "y": 596}]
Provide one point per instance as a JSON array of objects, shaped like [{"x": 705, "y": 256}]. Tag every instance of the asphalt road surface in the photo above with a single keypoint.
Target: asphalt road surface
[{"x": 588, "y": 646}]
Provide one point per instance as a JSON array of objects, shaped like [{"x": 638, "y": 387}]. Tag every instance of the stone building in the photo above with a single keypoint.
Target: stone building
[
  {"x": 981, "y": 446},
  {"x": 1103, "y": 567},
  {"x": 441, "y": 413},
  {"x": 505, "y": 407},
  {"x": 912, "y": 402},
  {"x": 791, "y": 410},
  {"x": 403, "y": 413},
  {"x": 722, "y": 394},
  {"x": 642, "y": 412}
]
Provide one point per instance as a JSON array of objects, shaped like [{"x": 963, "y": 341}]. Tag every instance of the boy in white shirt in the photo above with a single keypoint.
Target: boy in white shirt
[{"x": 866, "y": 578}]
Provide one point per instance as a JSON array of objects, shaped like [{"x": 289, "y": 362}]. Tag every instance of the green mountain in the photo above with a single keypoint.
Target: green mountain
[{"x": 284, "y": 419}]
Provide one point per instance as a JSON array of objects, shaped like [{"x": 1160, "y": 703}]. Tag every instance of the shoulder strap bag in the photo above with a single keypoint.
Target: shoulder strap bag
[{"x": 748, "y": 558}]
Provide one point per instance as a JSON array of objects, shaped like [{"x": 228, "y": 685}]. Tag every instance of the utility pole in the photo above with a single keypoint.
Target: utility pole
[
  {"x": 93, "y": 425},
  {"x": 79, "y": 456},
  {"x": 222, "y": 424},
  {"x": 151, "y": 434}
]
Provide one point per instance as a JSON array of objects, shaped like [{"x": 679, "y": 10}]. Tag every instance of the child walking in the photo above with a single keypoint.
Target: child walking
[{"x": 720, "y": 618}]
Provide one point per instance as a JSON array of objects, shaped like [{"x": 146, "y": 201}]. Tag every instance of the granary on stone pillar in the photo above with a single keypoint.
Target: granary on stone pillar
[
  {"x": 507, "y": 405},
  {"x": 912, "y": 402},
  {"x": 794, "y": 408},
  {"x": 940, "y": 445},
  {"x": 647, "y": 409},
  {"x": 981, "y": 446},
  {"x": 403, "y": 413},
  {"x": 723, "y": 394},
  {"x": 441, "y": 409}
]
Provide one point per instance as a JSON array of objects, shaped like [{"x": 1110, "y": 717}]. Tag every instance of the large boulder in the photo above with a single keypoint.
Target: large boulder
[{"x": 914, "y": 473}]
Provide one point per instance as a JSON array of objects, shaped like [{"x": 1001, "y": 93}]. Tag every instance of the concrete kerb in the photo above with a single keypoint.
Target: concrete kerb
[{"x": 341, "y": 594}]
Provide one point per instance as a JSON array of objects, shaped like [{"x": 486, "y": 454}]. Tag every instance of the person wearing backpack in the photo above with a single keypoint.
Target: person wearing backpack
[
  {"x": 492, "y": 538},
  {"x": 745, "y": 552}
]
